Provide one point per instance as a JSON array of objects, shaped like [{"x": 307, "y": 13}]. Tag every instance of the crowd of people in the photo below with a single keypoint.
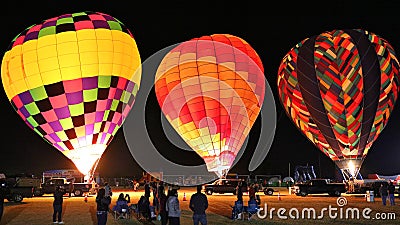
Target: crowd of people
[
  {"x": 156, "y": 203},
  {"x": 160, "y": 202},
  {"x": 166, "y": 206}
]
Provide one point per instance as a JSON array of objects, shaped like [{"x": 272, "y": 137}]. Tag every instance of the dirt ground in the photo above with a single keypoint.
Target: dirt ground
[{"x": 282, "y": 208}]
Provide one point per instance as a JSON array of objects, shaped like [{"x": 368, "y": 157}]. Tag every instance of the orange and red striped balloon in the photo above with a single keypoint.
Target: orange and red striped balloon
[{"x": 211, "y": 91}]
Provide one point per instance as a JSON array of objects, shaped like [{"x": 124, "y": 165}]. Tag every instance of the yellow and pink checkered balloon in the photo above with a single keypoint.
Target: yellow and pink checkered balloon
[{"x": 73, "y": 80}]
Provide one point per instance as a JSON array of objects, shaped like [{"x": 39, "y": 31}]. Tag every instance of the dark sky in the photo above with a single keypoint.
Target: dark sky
[{"x": 270, "y": 30}]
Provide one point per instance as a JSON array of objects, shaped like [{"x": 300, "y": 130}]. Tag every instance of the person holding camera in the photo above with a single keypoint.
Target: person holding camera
[{"x": 57, "y": 204}]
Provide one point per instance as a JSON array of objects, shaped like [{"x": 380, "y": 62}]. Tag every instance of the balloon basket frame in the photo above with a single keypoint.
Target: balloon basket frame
[{"x": 348, "y": 175}]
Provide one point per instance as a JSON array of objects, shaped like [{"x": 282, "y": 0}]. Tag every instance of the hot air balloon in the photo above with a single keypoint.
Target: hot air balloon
[
  {"x": 72, "y": 80},
  {"x": 211, "y": 90},
  {"x": 339, "y": 88}
]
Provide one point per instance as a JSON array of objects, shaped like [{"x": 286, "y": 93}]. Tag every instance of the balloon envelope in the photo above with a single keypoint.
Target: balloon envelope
[
  {"x": 339, "y": 88},
  {"x": 211, "y": 90},
  {"x": 72, "y": 80}
]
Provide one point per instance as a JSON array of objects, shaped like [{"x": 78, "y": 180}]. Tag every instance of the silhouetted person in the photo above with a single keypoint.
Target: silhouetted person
[
  {"x": 383, "y": 191},
  {"x": 239, "y": 192},
  {"x": 173, "y": 208},
  {"x": 147, "y": 190},
  {"x": 391, "y": 190},
  {"x": 57, "y": 205},
  {"x": 252, "y": 192},
  {"x": 144, "y": 207},
  {"x": 103, "y": 202},
  {"x": 154, "y": 187},
  {"x": 198, "y": 204},
  {"x": 107, "y": 189},
  {"x": 71, "y": 187},
  {"x": 4, "y": 191},
  {"x": 163, "y": 200}
]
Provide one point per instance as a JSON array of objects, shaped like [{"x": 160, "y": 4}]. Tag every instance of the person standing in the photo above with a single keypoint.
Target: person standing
[
  {"x": 163, "y": 200},
  {"x": 154, "y": 187},
  {"x": 391, "y": 190},
  {"x": 239, "y": 192},
  {"x": 135, "y": 186},
  {"x": 147, "y": 190},
  {"x": 70, "y": 187},
  {"x": 103, "y": 203},
  {"x": 57, "y": 205},
  {"x": 383, "y": 191},
  {"x": 198, "y": 204},
  {"x": 252, "y": 192},
  {"x": 4, "y": 191},
  {"x": 173, "y": 209},
  {"x": 107, "y": 189}
]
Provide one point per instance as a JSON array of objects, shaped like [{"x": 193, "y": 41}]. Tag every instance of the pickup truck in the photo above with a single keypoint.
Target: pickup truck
[
  {"x": 27, "y": 182},
  {"x": 319, "y": 186},
  {"x": 222, "y": 186},
  {"x": 78, "y": 189},
  {"x": 14, "y": 193}
]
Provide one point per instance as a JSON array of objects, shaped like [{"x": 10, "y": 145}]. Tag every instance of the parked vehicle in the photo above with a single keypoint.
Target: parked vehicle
[
  {"x": 362, "y": 186},
  {"x": 14, "y": 193},
  {"x": 223, "y": 185},
  {"x": 49, "y": 186},
  {"x": 29, "y": 182},
  {"x": 17, "y": 194},
  {"x": 267, "y": 183},
  {"x": 319, "y": 186},
  {"x": 268, "y": 190}
]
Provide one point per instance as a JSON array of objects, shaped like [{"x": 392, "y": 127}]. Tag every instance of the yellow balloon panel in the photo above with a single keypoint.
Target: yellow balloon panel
[{"x": 60, "y": 61}]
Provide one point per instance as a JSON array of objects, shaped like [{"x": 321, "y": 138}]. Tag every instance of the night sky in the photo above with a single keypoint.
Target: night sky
[{"x": 271, "y": 30}]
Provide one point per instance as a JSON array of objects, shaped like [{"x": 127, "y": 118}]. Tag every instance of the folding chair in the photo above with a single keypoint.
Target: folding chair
[
  {"x": 134, "y": 208},
  {"x": 238, "y": 210},
  {"x": 125, "y": 213},
  {"x": 252, "y": 208},
  {"x": 121, "y": 211},
  {"x": 153, "y": 215}
]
